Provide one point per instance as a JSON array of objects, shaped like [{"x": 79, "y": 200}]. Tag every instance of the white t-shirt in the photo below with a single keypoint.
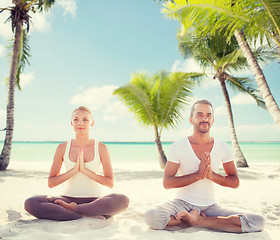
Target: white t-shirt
[{"x": 200, "y": 193}]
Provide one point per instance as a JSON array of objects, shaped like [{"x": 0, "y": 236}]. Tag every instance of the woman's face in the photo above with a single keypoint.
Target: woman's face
[{"x": 81, "y": 121}]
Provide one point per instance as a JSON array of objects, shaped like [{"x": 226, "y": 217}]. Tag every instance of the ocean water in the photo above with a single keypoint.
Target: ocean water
[{"x": 255, "y": 152}]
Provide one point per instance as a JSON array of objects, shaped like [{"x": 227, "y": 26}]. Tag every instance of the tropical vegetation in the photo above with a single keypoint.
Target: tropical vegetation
[
  {"x": 222, "y": 59},
  {"x": 250, "y": 21},
  {"x": 157, "y": 100},
  {"x": 20, "y": 20}
]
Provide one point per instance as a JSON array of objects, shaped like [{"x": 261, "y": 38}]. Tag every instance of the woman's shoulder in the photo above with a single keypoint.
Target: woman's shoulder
[
  {"x": 101, "y": 146},
  {"x": 61, "y": 147}
]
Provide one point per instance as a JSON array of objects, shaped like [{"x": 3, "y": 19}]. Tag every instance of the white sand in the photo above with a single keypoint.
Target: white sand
[{"x": 142, "y": 183}]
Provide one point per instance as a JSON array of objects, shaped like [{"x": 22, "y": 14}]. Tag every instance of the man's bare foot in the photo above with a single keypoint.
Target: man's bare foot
[
  {"x": 173, "y": 221},
  {"x": 203, "y": 214},
  {"x": 72, "y": 206},
  {"x": 192, "y": 217}
]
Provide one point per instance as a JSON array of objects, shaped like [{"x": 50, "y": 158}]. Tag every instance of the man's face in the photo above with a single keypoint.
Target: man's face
[{"x": 202, "y": 118}]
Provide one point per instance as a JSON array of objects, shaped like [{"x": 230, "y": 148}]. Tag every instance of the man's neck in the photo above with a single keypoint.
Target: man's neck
[{"x": 200, "y": 138}]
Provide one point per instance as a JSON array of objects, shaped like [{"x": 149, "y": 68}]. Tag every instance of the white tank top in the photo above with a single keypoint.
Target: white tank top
[{"x": 81, "y": 185}]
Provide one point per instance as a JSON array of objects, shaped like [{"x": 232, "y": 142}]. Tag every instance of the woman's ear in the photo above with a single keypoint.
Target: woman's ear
[{"x": 92, "y": 123}]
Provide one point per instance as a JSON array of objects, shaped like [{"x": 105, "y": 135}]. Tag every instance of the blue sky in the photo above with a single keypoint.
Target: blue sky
[{"x": 83, "y": 50}]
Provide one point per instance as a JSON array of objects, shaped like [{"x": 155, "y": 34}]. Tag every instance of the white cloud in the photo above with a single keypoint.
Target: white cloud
[
  {"x": 69, "y": 6},
  {"x": 242, "y": 99},
  {"x": 2, "y": 119},
  {"x": 40, "y": 21},
  {"x": 5, "y": 28},
  {"x": 256, "y": 132},
  {"x": 2, "y": 50},
  {"x": 190, "y": 65},
  {"x": 116, "y": 110},
  {"x": 95, "y": 97},
  {"x": 5, "y": 3},
  {"x": 101, "y": 99},
  {"x": 220, "y": 111},
  {"x": 2, "y": 115},
  {"x": 26, "y": 78}
]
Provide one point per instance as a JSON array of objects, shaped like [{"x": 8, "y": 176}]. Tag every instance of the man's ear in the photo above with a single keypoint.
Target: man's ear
[
  {"x": 92, "y": 123},
  {"x": 191, "y": 120},
  {"x": 71, "y": 123}
]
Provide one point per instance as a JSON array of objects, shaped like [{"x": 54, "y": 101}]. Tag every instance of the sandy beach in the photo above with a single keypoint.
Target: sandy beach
[{"x": 142, "y": 183}]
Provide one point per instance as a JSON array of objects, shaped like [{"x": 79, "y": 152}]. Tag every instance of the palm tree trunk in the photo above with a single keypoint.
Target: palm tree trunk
[
  {"x": 278, "y": 37},
  {"x": 6, "y": 151},
  {"x": 269, "y": 100},
  {"x": 238, "y": 155},
  {"x": 162, "y": 158}
]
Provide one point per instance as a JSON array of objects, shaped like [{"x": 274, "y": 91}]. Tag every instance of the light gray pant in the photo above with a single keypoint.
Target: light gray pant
[{"x": 159, "y": 216}]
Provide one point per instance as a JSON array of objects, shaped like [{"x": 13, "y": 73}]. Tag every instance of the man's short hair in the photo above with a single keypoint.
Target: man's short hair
[{"x": 203, "y": 101}]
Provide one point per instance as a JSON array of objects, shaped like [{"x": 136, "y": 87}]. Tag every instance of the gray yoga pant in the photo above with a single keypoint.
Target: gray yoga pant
[
  {"x": 159, "y": 216},
  {"x": 44, "y": 207}
]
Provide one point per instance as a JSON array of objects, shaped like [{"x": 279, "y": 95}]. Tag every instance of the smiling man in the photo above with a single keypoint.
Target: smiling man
[{"x": 197, "y": 159}]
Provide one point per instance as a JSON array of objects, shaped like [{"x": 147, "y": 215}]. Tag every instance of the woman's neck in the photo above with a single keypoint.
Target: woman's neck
[{"x": 82, "y": 141}]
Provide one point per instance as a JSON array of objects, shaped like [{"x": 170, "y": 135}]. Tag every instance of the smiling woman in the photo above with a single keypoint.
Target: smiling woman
[{"x": 83, "y": 158}]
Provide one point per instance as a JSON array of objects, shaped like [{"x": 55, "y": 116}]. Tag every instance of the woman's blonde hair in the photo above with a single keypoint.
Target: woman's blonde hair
[{"x": 83, "y": 108}]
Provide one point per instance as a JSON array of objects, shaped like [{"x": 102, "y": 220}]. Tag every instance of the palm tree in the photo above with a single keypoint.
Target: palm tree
[
  {"x": 250, "y": 20},
  {"x": 19, "y": 17},
  {"x": 213, "y": 52},
  {"x": 157, "y": 100}
]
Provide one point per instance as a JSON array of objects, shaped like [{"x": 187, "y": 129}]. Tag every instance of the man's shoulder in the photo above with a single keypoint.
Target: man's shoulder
[
  {"x": 221, "y": 146},
  {"x": 220, "y": 142},
  {"x": 179, "y": 142}
]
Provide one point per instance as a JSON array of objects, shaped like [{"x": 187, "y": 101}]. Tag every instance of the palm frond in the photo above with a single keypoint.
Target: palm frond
[
  {"x": 23, "y": 54},
  {"x": 233, "y": 61},
  {"x": 136, "y": 97},
  {"x": 175, "y": 95},
  {"x": 246, "y": 85},
  {"x": 273, "y": 9},
  {"x": 207, "y": 16},
  {"x": 266, "y": 54},
  {"x": 157, "y": 99},
  {"x": 41, "y": 5}
]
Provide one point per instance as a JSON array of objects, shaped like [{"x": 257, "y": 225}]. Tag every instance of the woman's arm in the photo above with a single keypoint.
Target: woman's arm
[
  {"x": 54, "y": 177},
  {"x": 108, "y": 178}
]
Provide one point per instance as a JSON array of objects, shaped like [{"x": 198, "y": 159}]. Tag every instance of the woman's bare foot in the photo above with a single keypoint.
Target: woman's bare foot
[
  {"x": 72, "y": 206},
  {"x": 98, "y": 217},
  {"x": 192, "y": 217}
]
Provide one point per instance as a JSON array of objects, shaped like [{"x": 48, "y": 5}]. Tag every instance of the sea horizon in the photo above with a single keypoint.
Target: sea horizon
[
  {"x": 131, "y": 142},
  {"x": 254, "y": 151}
]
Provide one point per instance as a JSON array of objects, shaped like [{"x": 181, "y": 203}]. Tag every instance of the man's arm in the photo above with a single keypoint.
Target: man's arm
[
  {"x": 172, "y": 181},
  {"x": 230, "y": 180}
]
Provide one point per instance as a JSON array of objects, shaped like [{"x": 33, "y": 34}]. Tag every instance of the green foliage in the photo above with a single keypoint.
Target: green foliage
[
  {"x": 258, "y": 19},
  {"x": 222, "y": 57},
  {"x": 20, "y": 15},
  {"x": 23, "y": 54},
  {"x": 157, "y": 100},
  {"x": 247, "y": 86}
]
